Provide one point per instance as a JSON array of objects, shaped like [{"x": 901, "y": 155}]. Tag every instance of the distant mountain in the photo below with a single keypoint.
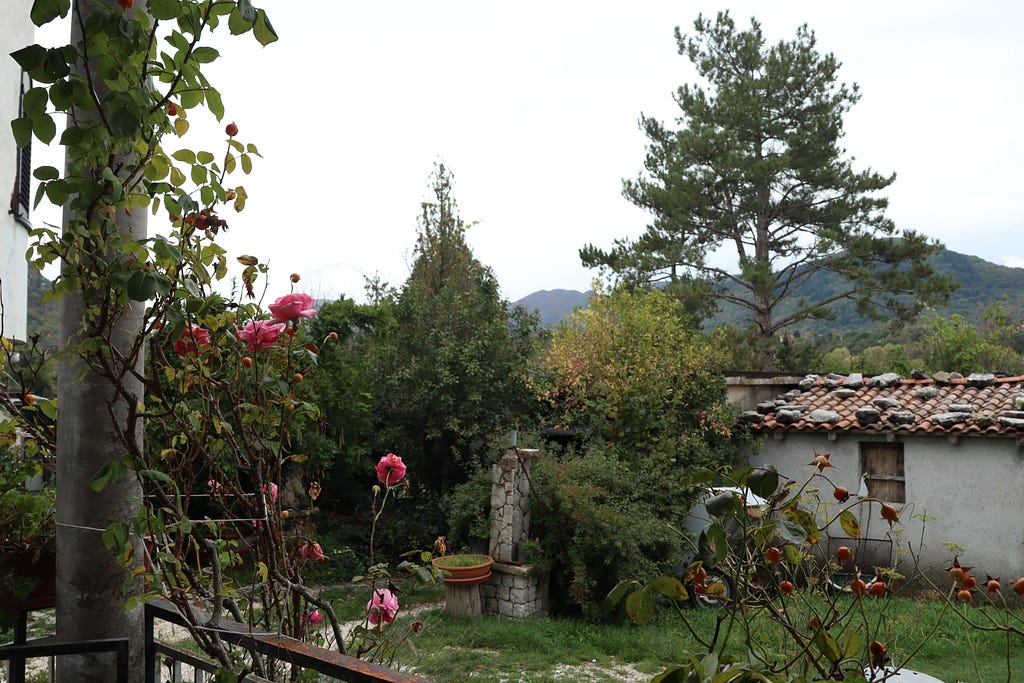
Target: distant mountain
[
  {"x": 554, "y": 305},
  {"x": 982, "y": 283}
]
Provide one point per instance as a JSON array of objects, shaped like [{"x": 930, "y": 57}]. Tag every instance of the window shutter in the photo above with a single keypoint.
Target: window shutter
[{"x": 21, "y": 202}]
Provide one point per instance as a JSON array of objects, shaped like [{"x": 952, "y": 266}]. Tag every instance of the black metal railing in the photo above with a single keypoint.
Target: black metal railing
[{"x": 46, "y": 647}]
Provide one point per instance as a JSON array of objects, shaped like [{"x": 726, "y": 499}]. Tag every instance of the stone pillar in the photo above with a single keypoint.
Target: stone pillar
[
  {"x": 513, "y": 589},
  {"x": 510, "y": 504}
]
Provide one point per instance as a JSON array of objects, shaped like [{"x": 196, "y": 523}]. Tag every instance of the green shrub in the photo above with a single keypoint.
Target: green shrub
[{"x": 600, "y": 520}]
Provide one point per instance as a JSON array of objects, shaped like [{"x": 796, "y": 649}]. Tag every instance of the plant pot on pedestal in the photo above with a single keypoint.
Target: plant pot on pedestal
[{"x": 463, "y": 575}]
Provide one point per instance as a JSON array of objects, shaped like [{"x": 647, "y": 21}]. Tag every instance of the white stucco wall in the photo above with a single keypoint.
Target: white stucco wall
[
  {"x": 972, "y": 491},
  {"x": 15, "y": 32}
]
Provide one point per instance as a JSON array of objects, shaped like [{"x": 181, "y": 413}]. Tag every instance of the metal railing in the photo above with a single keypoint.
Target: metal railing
[{"x": 332, "y": 666}]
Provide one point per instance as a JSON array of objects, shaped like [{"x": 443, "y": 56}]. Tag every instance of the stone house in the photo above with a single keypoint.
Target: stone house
[{"x": 946, "y": 450}]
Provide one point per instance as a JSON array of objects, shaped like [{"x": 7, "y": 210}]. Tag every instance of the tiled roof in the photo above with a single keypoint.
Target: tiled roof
[{"x": 943, "y": 404}]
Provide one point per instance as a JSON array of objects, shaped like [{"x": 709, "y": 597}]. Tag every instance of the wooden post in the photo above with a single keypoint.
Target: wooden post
[{"x": 462, "y": 601}]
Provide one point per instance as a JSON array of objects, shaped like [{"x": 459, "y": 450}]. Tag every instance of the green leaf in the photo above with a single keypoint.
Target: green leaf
[
  {"x": 22, "y": 129},
  {"x": 115, "y": 536},
  {"x": 851, "y": 644},
  {"x": 850, "y": 523},
  {"x": 198, "y": 174},
  {"x": 44, "y": 127},
  {"x": 205, "y": 55},
  {"x": 141, "y": 287},
  {"x": 155, "y": 475},
  {"x": 35, "y": 102},
  {"x": 72, "y": 136},
  {"x": 30, "y": 58},
  {"x": 717, "y": 541},
  {"x": 46, "y": 173},
  {"x": 100, "y": 480},
  {"x": 57, "y": 192},
  {"x": 827, "y": 646},
  {"x": 214, "y": 102},
  {"x": 640, "y": 606},
  {"x": 190, "y": 98},
  {"x": 237, "y": 23},
  {"x": 180, "y": 127},
  {"x": 204, "y": 157},
  {"x": 763, "y": 481},
  {"x": 264, "y": 30},
  {"x": 185, "y": 155},
  {"x": 669, "y": 586},
  {"x": 62, "y": 94},
  {"x": 164, "y": 9},
  {"x": 246, "y": 163},
  {"x": 45, "y": 11},
  {"x": 124, "y": 122},
  {"x": 616, "y": 594},
  {"x": 791, "y": 532}
]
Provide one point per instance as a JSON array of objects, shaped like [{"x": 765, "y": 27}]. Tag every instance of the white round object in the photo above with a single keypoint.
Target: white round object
[{"x": 901, "y": 676}]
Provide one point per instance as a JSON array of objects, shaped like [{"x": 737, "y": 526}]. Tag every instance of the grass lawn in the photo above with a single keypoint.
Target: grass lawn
[{"x": 935, "y": 638}]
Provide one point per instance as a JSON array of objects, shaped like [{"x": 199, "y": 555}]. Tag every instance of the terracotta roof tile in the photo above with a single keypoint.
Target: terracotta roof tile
[{"x": 975, "y": 405}]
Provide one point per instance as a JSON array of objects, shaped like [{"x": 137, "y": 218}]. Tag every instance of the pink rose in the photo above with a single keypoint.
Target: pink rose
[
  {"x": 272, "y": 489},
  {"x": 390, "y": 469},
  {"x": 259, "y": 335},
  {"x": 314, "y": 617},
  {"x": 292, "y": 306},
  {"x": 313, "y": 551},
  {"x": 383, "y": 606},
  {"x": 191, "y": 339}
]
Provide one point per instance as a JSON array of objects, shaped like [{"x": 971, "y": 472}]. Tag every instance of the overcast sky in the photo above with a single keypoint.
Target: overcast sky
[{"x": 534, "y": 107}]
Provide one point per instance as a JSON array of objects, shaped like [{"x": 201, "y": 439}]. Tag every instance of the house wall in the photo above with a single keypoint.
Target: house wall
[
  {"x": 972, "y": 492},
  {"x": 15, "y": 32}
]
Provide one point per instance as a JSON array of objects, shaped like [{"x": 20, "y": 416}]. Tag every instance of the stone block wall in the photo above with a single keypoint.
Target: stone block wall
[{"x": 515, "y": 591}]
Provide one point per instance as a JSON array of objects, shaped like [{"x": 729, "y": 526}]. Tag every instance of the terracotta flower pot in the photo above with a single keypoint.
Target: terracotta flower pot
[{"x": 464, "y": 570}]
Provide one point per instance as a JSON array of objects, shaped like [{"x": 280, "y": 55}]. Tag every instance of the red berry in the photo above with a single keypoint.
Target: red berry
[
  {"x": 126, "y": 4},
  {"x": 231, "y": 129},
  {"x": 172, "y": 109},
  {"x": 786, "y": 587},
  {"x": 858, "y": 587},
  {"x": 877, "y": 589},
  {"x": 843, "y": 553},
  {"x": 965, "y": 596},
  {"x": 993, "y": 585},
  {"x": 247, "y": 362},
  {"x": 890, "y": 514},
  {"x": 773, "y": 555},
  {"x": 841, "y": 494},
  {"x": 969, "y": 581},
  {"x": 1018, "y": 586}
]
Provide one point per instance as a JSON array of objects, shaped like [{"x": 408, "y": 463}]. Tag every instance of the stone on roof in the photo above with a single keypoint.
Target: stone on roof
[
  {"x": 820, "y": 416},
  {"x": 983, "y": 404}
]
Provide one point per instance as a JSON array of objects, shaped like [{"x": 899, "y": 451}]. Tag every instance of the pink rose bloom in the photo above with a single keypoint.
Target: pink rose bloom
[
  {"x": 383, "y": 606},
  {"x": 313, "y": 551},
  {"x": 314, "y": 617},
  {"x": 259, "y": 335},
  {"x": 191, "y": 339},
  {"x": 390, "y": 469},
  {"x": 273, "y": 490},
  {"x": 292, "y": 306}
]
